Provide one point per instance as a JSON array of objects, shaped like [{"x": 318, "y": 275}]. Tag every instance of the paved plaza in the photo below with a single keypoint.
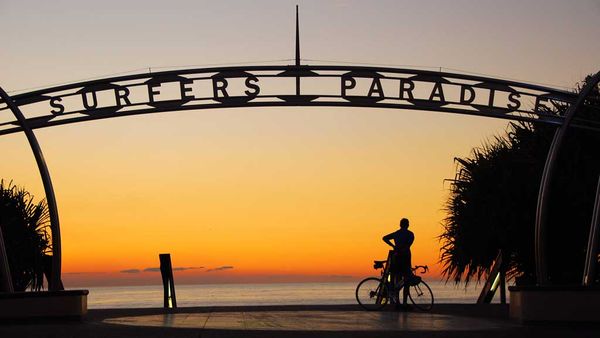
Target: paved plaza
[
  {"x": 314, "y": 321},
  {"x": 446, "y": 320}
]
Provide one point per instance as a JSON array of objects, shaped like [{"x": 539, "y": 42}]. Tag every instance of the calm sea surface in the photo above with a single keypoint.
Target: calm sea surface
[{"x": 255, "y": 294}]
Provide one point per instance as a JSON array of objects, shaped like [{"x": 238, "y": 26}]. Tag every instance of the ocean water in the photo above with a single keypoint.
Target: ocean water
[{"x": 256, "y": 294}]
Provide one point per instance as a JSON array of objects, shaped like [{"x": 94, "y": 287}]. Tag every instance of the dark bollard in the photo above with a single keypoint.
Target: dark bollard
[{"x": 166, "y": 270}]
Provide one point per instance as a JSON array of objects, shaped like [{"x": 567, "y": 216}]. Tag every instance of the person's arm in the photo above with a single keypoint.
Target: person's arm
[{"x": 388, "y": 239}]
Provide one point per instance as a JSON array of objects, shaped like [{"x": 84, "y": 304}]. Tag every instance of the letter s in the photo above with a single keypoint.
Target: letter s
[
  {"x": 251, "y": 84},
  {"x": 54, "y": 103}
]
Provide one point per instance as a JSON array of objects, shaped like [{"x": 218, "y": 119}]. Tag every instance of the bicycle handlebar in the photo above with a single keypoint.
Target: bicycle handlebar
[{"x": 381, "y": 264}]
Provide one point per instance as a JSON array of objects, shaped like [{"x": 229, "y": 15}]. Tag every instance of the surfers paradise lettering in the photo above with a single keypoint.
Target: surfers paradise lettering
[{"x": 288, "y": 85}]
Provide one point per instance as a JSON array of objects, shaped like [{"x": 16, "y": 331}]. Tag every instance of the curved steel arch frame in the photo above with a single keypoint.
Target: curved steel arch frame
[
  {"x": 547, "y": 175},
  {"x": 264, "y": 86},
  {"x": 55, "y": 282}
]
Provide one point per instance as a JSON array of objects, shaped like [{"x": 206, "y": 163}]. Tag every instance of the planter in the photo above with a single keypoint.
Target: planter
[
  {"x": 555, "y": 303},
  {"x": 70, "y": 304}
]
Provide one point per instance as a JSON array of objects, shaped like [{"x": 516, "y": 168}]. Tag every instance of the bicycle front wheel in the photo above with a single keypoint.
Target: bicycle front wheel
[
  {"x": 421, "y": 296},
  {"x": 372, "y": 294}
]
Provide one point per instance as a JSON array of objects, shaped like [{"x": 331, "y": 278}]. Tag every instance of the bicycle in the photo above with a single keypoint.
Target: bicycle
[{"x": 374, "y": 293}]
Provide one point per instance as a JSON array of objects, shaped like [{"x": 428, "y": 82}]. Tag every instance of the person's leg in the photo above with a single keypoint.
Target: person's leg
[
  {"x": 405, "y": 291},
  {"x": 395, "y": 278},
  {"x": 407, "y": 276},
  {"x": 394, "y": 291}
]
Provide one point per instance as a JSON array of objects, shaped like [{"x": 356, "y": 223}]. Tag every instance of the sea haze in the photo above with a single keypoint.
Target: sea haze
[{"x": 255, "y": 294}]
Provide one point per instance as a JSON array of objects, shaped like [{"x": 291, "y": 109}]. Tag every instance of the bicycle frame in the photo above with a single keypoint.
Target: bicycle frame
[
  {"x": 386, "y": 289},
  {"x": 386, "y": 279}
]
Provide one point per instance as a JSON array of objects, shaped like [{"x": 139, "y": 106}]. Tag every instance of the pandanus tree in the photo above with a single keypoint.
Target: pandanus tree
[
  {"x": 25, "y": 228},
  {"x": 493, "y": 198}
]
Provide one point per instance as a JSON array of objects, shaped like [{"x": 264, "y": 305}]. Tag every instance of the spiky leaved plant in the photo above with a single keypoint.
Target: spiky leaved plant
[
  {"x": 493, "y": 200},
  {"x": 492, "y": 206},
  {"x": 25, "y": 227}
]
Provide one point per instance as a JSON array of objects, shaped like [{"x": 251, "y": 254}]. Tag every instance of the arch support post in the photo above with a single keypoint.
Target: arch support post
[
  {"x": 54, "y": 282},
  {"x": 589, "y": 269},
  {"x": 541, "y": 216},
  {"x": 5, "y": 278}
]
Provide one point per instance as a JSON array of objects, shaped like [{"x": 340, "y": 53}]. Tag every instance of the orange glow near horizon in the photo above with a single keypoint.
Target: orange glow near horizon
[{"x": 278, "y": 194}]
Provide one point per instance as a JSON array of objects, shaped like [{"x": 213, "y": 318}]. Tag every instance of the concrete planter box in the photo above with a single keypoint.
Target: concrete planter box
[
  {"x": 44, "y": 304},
  {"x": 555, "y": 303}
]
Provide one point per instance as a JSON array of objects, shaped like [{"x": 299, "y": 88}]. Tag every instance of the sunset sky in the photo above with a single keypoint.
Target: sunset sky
[{"x": 266, "y": 194}]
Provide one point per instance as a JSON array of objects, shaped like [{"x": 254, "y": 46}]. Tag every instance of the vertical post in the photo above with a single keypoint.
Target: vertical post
[
  {"x": 502, "y": 286},
  {"x": 5, "y": 277},
  {"x": 54, "y": 283},
  {"x": 166, "y": 271},
  {"x": 297, "y": 53},
  {"x": 541, "y": 265},
  {"x": 591, "y": 258},
  {"x": 297, "y": 39}
]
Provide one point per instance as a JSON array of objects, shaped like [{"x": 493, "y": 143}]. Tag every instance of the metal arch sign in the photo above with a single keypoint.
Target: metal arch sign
[
  {"x": 302, "y": 85},
  {"x": 292, "y": 85}
]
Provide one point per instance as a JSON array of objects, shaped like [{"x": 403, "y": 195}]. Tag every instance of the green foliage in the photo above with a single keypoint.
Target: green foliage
[
  {"x": 493, "y": 200},
  {"x": 25, "y": 227}
]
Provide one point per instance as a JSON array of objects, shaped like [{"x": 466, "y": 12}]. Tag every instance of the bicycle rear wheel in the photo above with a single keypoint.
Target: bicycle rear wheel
[
  {"x": 421, "y": 296},
  {"x": 372, "y": 294}
]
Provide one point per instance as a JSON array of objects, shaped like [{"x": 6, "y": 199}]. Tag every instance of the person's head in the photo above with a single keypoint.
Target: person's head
[{"x": 404, "y": 223}]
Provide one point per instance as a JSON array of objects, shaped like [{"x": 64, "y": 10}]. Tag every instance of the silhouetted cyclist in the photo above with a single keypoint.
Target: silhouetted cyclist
[{"x": 401, "y": 258}]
